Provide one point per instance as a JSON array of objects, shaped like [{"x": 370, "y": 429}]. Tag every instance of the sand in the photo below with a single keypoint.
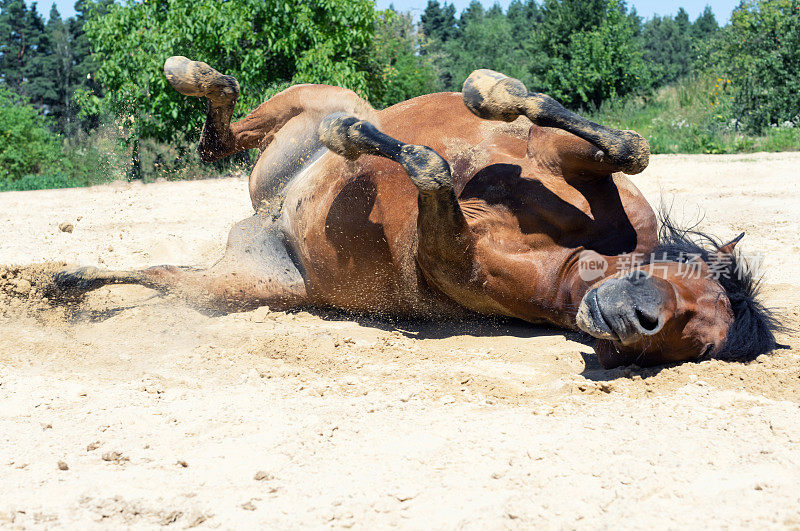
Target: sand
[{"x": 128, "y": 409}]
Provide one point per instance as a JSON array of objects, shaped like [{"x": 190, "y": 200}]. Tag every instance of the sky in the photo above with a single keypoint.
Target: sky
[{"x": 646, "y": 8}]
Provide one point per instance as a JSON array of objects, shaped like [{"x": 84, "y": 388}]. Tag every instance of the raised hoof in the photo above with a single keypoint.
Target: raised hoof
[
  {"x": 77, "y": 280},
  {"x": 195, "y": 78},
  {"x": 339, "y": 132},
  {"x": 494, "y": 96},
  {"x": 630, "y": 152}
]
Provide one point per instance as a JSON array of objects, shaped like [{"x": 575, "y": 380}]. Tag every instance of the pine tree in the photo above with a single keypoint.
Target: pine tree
[
  {"x": 669, "y": 46},
  {"x": 705, "y": 25},
  {"x": 60, "y": 64},
  {"x": 439, "y": 22}
]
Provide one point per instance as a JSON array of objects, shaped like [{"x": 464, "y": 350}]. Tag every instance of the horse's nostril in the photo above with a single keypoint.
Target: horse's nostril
[{"x": 646, "y": 322}]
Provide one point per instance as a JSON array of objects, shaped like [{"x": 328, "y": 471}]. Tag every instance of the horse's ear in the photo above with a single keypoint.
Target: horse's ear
[{"x": 728, "y": 247}]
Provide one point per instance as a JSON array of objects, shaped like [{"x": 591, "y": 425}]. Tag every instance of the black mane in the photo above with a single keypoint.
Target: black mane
[{"x": 754, "y": 326}]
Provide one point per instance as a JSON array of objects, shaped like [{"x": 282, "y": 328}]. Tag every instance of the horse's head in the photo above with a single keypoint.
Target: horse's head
[{"x": 697, "y": 300}]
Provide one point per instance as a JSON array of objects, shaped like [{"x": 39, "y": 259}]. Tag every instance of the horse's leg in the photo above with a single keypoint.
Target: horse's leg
[
  {"x": 194, "y": 78},
  {"x": 284, "y": 128},
  {"x": 257, "y": 269},
  {"x": 494, "y": 96},
  {"x": 445, "y": 242}
]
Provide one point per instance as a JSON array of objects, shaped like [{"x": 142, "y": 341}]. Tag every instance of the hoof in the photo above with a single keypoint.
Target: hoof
[
  {"x": 77, "y": 280},
  {"x": 195, "y": 78},
  {"x": 631, "y": 153},
  {"x": 339, "y": 133},
  {"x": 494, "y": 96}
]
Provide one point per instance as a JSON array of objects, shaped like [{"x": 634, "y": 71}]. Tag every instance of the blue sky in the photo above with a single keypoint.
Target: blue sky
[{"x": 646, "y": 8}]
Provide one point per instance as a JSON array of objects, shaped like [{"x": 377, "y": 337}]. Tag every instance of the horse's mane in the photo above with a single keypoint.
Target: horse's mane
[{"x": 754, "y": 325}]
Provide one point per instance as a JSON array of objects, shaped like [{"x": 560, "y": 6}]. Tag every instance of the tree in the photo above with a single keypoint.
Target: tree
[
  {"x": 672, "y": 46},
  {"x": 485, "y": 40},
  {"x": 705, "y": 25},
  {"x": 61, "y": 62},
  {"x": 589, "y": 52},
  {"x": 400, "y": 71},
  {"x": 27, "y": 145},
  {"x": 266, "y": 44},
  {"x": 524, "y": 16},
  {"x": 668, "y": 47},
  {"x": 25, "y": 53},
  {"x": 439, "y": 22},
  {"x": 759, "y": 53}
]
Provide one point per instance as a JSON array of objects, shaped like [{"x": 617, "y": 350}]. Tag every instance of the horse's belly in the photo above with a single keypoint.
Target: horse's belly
[{"x": 352, "y": 225}]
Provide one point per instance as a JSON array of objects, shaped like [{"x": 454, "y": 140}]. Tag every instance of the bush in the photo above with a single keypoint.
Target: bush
[
  {"x": 590, "y": 52},
  {"x": 27, "y": 146},
  {"x": 50, "y": 179},
  {"x": 694, "y": 116},
  {"x": 760, "y": 52},
  {"x": 264, "y": 44}
]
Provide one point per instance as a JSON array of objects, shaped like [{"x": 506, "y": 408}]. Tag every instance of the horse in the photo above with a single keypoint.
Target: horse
[{"x": 494, "y": 201}]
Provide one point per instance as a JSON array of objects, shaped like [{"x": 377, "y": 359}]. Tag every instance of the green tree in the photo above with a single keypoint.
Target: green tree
[
  {"x": 589, "y": 52},
  {"x": 485, "y": 40},
  {"x": 439, "y": 22},
  {"x": 525, "y": 17},
  {"x": 25, "y": 53},
  {"x": 400, "y": 71},
  {"x": 760, "y": 52},
  {"x": 668, "y": 47},
  {"x": 266, "y": 44},
  {"x": 61, "y": 63},
  {"x": 705, "y": 25},
  {"x": 86, "y": 64},
  {"x": 673, "y": 46},
  {"x": 27, "y": 145}
]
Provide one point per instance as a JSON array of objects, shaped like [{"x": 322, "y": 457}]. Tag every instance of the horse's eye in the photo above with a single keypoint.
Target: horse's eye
[{"x": 707, "y": 351}]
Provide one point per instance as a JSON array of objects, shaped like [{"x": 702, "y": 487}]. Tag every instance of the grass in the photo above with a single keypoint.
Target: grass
[{"x": 693, "y": 117}]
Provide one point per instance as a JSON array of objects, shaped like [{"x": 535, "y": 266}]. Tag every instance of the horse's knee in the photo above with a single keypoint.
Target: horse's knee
[{"x": 351, "y": 137}]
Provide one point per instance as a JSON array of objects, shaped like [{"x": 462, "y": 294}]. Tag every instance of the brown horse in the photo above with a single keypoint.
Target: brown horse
[{"x": 494, "y": 201}]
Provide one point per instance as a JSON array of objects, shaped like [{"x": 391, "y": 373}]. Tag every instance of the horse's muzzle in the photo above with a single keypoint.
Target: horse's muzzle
[{"x": 624, "y": 309}]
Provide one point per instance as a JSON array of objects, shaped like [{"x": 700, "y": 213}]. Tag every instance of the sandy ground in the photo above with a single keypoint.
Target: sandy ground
[{"x": 135, "y": 410}]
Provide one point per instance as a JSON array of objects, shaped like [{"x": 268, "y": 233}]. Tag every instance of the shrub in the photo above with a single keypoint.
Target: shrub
[
  {"x": 694, "y": 116},
  {"x": 27, "y": 146},
  {"x": 50, "y": 179},
  {"x": 760, "y": 53}
]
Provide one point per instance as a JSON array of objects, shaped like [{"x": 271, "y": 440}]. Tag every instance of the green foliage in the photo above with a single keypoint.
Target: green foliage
[
  {"x": 668, "y": 47},
  {"x": 760, "y": 52},
  {"x": 265, "y": 44},
  {"x": 439, "y": 22},
  {"x": 33, "y": 157},
  {"x": 673, "y": 46},
  {"x": 45, "y": 62},
  {"x": 26, "y": 144},
  {"x": 590, "y": 53},
  {"x": 485, "y": 40},
  {"x": 692, "y": 117},
  {"x": 40, "y": 181},
  {"x": 24, "y": 52},
  {"x": 400, "y": 73}
]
